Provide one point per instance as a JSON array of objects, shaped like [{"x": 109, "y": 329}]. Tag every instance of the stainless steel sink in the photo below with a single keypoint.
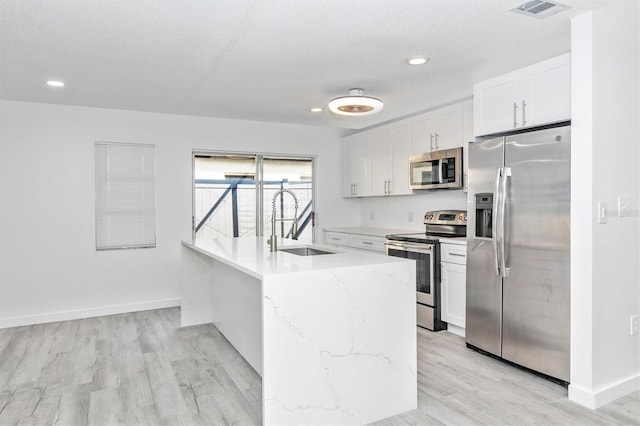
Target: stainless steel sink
[{"x": 305, "y": 251}]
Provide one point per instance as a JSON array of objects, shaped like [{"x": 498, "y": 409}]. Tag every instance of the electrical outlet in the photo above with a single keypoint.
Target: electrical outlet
[
  {"x": 372, "y": 215},
  {"x": 410, "y": 217},
  {"x": 624, "y": 206},
  {"x": 634, "y": 325}
]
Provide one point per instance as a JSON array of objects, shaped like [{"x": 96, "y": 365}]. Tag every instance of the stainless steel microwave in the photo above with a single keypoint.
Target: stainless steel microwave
[{"x": 436, "y": 170}]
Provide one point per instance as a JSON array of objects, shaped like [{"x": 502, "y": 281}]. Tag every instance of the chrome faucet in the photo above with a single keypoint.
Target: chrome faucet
[{"x": 273, "y": 240}]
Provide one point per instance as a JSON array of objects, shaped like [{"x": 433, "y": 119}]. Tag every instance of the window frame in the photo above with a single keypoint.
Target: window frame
[
  {"x": 259, "y": 178},
  {"x": 140, "y": 214}
]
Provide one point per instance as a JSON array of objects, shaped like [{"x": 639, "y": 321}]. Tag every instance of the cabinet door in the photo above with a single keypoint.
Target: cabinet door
[
  {"x": 423, "y": 133},
  {"x": 495, "y": 105},
  {"x": 439, "y": 129},
  {"x": 336, "y": 238},
  {"x": 349, "y": 165},
  {"x": 368, "y": 242},
  {"x": 453, "y": 293},
  {"x": 401, "y": 143},
  {"x": 547, "y": 92},
  {"x": 448, "y": 127},
  {"x": 355, "y": 165},
  {"x": 380, "y": 160},
  {"x": 467, "y": 119}
]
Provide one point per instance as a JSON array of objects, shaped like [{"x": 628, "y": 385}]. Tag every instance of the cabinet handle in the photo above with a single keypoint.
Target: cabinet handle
[
  {"x": 524, "y": 121},
  {"x": 431, "y": 142},
  {"x": 369, "y": 243},
  {"x": 457, "y": 254},
  {"x": 515, "y": 112},
  {"x": 437, "y": 141},
  {"x": 355, "y": 189},
  {"x": 335, "y": 239},
  {"x": 389, "y": 185}
]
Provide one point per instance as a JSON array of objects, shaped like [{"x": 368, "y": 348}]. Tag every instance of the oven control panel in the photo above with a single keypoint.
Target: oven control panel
[{"x": 446, "y": 217}]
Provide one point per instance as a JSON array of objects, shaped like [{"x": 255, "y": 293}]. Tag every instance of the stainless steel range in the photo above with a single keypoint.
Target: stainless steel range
[{"x": 424, "y": 248}]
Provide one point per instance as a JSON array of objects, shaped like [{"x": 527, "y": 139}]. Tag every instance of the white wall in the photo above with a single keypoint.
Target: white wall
[
  {"x": 49, "y": 269},
  {"x": 394, "y": 211},
  {"x": 605, "y": 274}
]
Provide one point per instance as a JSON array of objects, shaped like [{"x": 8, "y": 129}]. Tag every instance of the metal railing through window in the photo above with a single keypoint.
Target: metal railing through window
[{"x": 226, "y": 207}]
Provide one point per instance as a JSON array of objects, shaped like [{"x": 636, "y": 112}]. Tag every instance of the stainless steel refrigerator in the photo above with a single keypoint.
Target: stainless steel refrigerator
[{"x": 518, "y": 294}]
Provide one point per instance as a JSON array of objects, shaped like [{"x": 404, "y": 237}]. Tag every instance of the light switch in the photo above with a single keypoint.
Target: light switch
[
  {"x": 624, "y": 205},
  {"x": 602, "y": 212}
]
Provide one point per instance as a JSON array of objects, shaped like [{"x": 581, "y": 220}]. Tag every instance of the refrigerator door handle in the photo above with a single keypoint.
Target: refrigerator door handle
[
  {"x": 506, "y": 172},
  {"x": 496, "y": 213}
]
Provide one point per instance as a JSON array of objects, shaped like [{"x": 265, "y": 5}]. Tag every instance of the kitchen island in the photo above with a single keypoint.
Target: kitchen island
[{"x": 332, "y": 335}]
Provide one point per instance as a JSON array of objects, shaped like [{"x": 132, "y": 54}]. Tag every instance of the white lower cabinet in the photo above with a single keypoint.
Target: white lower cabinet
[
  {"x": 453, "y": 285},
  {"x": 357, "y": 241}
]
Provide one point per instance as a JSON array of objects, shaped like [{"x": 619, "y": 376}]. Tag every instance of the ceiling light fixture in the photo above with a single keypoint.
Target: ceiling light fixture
[
  {"x": 355, "y": 104},
  {"x": 55, "y": 83},
  {"x": 315, "y": 109},
  {"x": 417, "y": 61}
]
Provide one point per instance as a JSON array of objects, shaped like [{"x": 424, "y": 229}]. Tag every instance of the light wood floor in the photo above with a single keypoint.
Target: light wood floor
[{"x": 141, "y": 368}]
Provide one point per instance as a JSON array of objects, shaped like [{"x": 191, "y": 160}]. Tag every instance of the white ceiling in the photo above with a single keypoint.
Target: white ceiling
[{"x": 266, "y": 59}]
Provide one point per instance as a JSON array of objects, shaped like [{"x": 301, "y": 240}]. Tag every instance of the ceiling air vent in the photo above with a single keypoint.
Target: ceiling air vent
[{"x": 539, "y": 8}]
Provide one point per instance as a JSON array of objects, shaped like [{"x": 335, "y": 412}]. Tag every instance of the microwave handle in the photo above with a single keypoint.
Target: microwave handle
[{"x": 443, "y": 169}]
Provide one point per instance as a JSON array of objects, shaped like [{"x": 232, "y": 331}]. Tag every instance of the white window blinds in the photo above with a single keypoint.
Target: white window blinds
[{"x": 125, "y": 196}]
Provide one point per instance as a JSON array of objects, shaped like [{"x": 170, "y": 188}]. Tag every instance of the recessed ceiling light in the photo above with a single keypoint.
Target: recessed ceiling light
[
  {"x": 315, "y": 109},
  {"x": 55, "y": 83},
  {"x": 417, "y": 61}
]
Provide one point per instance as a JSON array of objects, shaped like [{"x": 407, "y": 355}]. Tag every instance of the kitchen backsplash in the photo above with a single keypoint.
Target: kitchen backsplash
[{"x": 407, "y": 212}]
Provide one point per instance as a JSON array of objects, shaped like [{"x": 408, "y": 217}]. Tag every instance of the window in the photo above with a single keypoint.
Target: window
[
  {"x": 125, "y": 196},
  {"x": 233, "y": 195}
]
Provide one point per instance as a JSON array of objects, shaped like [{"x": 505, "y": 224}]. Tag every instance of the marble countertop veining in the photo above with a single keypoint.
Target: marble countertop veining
[{"x": 252, "y": 256}]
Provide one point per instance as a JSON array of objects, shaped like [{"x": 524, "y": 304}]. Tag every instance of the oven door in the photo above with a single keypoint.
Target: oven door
[{"x": 424, "y": 255}]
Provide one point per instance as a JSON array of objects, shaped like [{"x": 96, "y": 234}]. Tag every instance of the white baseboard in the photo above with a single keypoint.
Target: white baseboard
[
  {"x": 88, "y": 313},
  {"x": 596, "y": 399}
]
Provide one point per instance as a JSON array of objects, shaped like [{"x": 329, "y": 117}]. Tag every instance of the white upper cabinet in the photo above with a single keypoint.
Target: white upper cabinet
[
  {"x": 531, "y": 96},
  {"x": 439, "y": 129},
  {"x": 380, "y": 160},
  {"x": 548, "y": 90},
  {"x": 401, "y": 148},
  {"x": 376, "y": 162},
  {"x": 355, "y": 166}
]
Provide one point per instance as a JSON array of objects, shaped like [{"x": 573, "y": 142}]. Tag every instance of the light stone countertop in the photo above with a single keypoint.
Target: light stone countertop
[
  {"x": 375, "y": 232},
  {"x": 251, "y": 255}
]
